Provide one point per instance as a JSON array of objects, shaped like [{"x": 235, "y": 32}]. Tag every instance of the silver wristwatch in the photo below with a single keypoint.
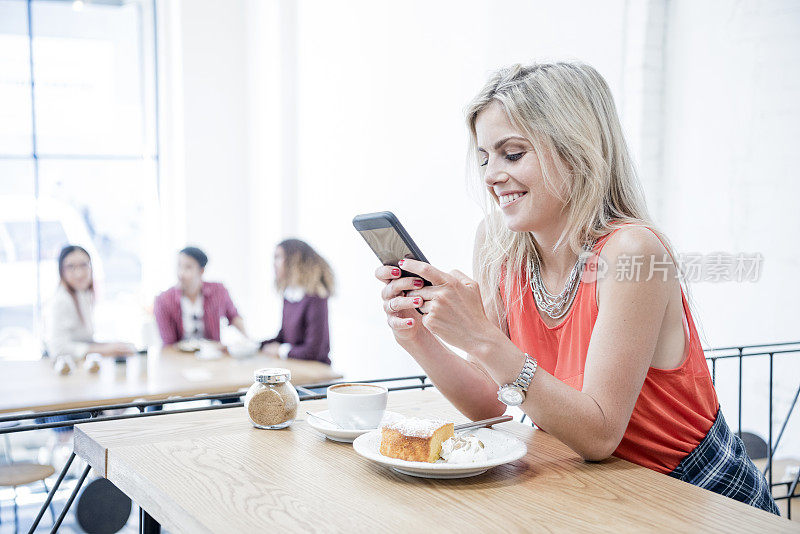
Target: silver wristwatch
[{"x": 514, "y": 394}]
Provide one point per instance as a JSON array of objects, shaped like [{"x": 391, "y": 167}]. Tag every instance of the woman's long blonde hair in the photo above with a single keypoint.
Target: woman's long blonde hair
[
  {"x": 304, "y": 268},
  {"x": 565, "y": 110}
]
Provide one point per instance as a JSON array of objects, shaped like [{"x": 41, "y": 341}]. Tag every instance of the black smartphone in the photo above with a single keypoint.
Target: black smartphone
[{"x": 388, "y": 239}]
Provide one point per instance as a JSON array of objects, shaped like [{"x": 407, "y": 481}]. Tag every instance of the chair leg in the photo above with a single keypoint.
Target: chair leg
[
  {"x": 16, "y": 517},
  {"x": 7, "y": 448},
  {"x": 52, "y": 512}
]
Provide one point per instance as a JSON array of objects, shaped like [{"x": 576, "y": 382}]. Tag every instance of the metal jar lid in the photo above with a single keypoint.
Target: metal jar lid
[{"x": 272, "y": 375}]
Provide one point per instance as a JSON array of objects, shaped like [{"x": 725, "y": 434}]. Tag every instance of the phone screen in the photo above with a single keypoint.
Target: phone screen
[{"x": 387, "y": 244}]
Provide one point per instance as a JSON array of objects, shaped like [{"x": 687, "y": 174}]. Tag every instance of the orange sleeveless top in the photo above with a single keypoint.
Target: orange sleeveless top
[{"x": 675, "y": 408}]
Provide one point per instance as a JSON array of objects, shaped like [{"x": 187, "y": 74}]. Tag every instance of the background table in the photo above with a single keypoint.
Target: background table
[
  {"x": 214, "y": 472},
  {"x": 34, "y": 385}
]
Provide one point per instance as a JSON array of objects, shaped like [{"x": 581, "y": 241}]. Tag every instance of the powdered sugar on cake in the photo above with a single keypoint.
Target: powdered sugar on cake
[{"x": 415, "y": 427}]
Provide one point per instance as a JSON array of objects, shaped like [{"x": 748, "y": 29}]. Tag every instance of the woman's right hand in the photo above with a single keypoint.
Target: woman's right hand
[{"x": 401, "y": 311}]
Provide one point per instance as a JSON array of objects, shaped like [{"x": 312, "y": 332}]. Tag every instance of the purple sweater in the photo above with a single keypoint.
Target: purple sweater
[{"x": 305, "y": 327}]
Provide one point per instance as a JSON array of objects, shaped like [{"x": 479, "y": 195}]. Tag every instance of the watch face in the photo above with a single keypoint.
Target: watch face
[{"x": 511, "y": 396}]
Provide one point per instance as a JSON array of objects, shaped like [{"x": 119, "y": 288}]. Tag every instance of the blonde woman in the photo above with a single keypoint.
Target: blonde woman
[
  {"x": 306, "y": 281},
  {"x": 610, "y": 365}
]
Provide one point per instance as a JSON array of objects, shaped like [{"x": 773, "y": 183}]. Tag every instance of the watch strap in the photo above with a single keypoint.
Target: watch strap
[{"x": 523, "y": 381}]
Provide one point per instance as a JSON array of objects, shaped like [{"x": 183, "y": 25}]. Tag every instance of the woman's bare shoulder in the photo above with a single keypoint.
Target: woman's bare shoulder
[
  {"x": 634, "y": 240},
  {"x": 635, "y": 254}
]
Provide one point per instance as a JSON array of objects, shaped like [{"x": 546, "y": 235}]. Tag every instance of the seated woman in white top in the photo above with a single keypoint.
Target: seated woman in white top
[{"x": 69, "y": 323}]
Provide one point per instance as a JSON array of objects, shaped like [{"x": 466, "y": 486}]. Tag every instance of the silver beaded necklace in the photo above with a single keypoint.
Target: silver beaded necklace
[{"x": 556, "y": 306}]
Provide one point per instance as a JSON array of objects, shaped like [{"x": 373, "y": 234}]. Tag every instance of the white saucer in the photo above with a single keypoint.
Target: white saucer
[
  {"x": 340, "y": 434},
  {"x": 501, "y": 448}
]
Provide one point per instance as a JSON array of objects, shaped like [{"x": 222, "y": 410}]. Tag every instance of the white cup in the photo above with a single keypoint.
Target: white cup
[
  {"x": 92, "y": 362},
  {"x": 357, "y": 406},
  {"x": 64, "y": 365}
]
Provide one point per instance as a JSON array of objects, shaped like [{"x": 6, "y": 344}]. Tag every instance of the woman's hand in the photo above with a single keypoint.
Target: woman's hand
[
  {"x": 401, "y": 313},
  {"x": 452, "y": 308}
]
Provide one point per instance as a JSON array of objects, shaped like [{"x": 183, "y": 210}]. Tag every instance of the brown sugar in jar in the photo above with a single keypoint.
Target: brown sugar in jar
[{"x": 271, "y": 402}]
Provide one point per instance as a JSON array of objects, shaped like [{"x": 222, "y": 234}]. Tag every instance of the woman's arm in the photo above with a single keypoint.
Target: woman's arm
[
  {"x": 465, "y": 383},
  {"x": 592, "y": 421},
  {"x": 271, "y": 347},
  {"x": 58, "y": 336}
]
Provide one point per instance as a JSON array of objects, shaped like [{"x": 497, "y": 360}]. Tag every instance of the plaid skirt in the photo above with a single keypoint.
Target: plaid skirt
[{"x": 720, "y": 464}]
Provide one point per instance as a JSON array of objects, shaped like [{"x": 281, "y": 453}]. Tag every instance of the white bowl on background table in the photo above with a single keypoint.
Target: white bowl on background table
[
  {"x": 501, "y": 448},
  {"x": 243, "y": 349},
  {"x": 336, "y": 433}
]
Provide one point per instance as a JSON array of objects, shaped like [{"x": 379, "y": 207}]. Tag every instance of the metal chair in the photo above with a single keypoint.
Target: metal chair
[
  {"x": 755, "y": 446},
  {"x": 102, "y": 508},
  {"x": 14, "y": 474}
]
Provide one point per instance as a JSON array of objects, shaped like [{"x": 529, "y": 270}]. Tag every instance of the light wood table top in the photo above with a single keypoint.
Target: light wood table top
[
  {"x": 35, "y": 385},
  {"x": 213, "y": 472}
]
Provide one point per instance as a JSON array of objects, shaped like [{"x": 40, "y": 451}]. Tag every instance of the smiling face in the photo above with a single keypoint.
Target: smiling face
[{"x": 514, "y": 175}]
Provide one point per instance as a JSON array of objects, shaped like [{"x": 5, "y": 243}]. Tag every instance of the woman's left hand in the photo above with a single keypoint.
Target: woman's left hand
[{"x": 452, "y": 307}]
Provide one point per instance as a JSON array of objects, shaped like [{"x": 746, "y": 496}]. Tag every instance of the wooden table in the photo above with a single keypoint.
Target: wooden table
[
  {"x": 35, "y": 386},
  {"x": 213, "y": 472}
]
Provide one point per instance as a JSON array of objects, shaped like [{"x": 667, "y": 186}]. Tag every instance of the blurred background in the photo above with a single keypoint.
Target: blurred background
[{"x": 232, "y": 125}]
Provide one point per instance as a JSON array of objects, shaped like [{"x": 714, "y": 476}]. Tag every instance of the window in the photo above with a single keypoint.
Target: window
[{"x": 78, "y": 158}]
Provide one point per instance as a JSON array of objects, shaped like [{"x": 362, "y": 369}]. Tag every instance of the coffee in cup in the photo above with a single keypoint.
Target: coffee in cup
[{"x": 357, "y": 406}]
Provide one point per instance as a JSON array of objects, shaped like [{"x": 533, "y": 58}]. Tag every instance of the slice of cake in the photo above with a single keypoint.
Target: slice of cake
[{"x": 415, "y": 440}]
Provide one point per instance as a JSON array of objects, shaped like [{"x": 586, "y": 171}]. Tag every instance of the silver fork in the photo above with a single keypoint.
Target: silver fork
[{"x": 484, "y": 422}]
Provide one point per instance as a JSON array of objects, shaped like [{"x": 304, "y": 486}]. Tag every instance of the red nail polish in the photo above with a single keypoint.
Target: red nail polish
[
  {"x": 400, "y": 263},
  {"x": 395, "y": 272},
  {"x": 410, "y": 322},
  {"x": 418, "y": 283},
  {"x": 417, "y": 301}
]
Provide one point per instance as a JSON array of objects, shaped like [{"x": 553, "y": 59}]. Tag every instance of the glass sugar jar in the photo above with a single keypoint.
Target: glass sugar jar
[{"x": 272, "y": 401}]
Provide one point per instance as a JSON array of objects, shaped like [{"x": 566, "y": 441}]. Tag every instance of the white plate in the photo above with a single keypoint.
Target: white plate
[
  {"x": 340, "y": 434},
  {"x": 501, "y": 448}
]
